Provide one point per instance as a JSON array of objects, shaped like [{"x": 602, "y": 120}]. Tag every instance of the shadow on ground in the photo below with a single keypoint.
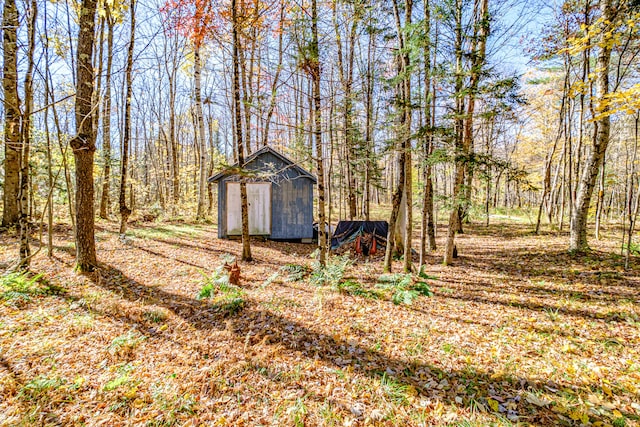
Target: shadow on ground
[{"x": 253, "y": 325}]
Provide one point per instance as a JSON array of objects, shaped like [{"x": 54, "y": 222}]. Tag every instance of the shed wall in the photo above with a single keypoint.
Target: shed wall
[
  {"x": 292, "y": 209},
  {"x": 291, "y": 199}
]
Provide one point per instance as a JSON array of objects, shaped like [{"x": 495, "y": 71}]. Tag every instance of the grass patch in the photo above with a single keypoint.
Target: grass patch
[
  {"x": 18, "y": 289},
  {"x": 156, "y": 315},
  {"x": 124, "y": 345},
  {"x": 395, "y": 391},
  {"x": 123, "y": 378},
  {"x": 173, "y": 406},
  {"x": 168, "y": 230},
  {"x": 39, "y": 389}
]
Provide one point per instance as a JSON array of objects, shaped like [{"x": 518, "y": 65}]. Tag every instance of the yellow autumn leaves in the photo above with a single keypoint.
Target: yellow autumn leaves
[{"x": 616, "y": 36}]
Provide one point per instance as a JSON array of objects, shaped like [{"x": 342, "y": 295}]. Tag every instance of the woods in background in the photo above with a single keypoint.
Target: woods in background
[{"x": 412, "y": 105}]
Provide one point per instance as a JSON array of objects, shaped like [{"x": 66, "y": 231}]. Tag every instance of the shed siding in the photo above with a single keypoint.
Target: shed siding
[{"x": 292, "y": 210}]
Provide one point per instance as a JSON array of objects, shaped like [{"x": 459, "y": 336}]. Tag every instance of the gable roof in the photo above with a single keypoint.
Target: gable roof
[{"x": 232, "y": 170}]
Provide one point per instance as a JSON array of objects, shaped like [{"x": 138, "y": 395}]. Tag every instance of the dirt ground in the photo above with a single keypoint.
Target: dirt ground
[{"x": 517, "y": 332}]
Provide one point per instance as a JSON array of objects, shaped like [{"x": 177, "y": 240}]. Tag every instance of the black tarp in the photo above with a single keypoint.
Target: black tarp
[{"x": 348, "y": 231}]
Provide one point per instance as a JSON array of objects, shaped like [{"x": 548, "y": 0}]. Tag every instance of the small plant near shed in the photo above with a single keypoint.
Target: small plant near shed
[
  {"x": 295, "y": 272},
  {"x": 405, "y": 287},
  {"x": 332, "y": 273},
  {"x": 354, "y": 288},
  {"x": 224, "y": 296}
]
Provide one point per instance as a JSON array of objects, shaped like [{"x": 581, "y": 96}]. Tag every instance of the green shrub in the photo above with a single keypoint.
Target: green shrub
[
  {"x": 634, "y": 248},
  {"x": 332, "y": 273},
  {"x": 224, "y": 296},
  {"x": 404, "y": 287},
  {"x": 18, "y": 288}
]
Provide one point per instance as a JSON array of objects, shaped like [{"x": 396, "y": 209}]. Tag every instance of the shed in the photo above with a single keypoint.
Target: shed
[{"x": 280, "y": 196}]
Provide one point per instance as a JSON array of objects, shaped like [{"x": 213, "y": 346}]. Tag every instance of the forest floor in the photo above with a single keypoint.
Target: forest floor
[{"x": 517, "y": 332}]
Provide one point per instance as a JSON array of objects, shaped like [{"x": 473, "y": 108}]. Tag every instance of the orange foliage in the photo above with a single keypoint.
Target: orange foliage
[{"x": 194, "y": 19}]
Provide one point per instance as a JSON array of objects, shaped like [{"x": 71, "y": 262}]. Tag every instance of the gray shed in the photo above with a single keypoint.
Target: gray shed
[{"x": 280, "y": 196}]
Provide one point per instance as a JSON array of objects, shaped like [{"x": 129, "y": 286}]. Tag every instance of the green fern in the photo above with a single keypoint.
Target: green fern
[
  {"x": 18, "y": 288},
  {"x": 356, "y": 289},
  {"x": 332, "y": 273},
  {"x": 225, "y": 297},
  {"x": 405, "y": 289},
  {"x": 295, "y": 272}
]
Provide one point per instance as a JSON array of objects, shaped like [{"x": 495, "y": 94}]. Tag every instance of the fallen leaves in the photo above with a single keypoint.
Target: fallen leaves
[{"x": 517, "y": 331}]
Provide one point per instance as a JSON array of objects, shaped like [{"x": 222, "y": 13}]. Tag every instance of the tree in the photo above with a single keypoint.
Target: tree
[
  {"x": 578, "y": 231},
  {"x": 400, "y": 219},
  {"x": 23, "y": 193},
  {"x": 464, "y": 118},
  {"x": 314, "y": 55},
  {"x": 105, "y": 199},
  {"x": 194, "y": 19},
  {"x": 202, "y": 146},
  {"x": 12, "y": 133},
  {"x": 345, "y": 65},
  {"x": 244, "y": 206},
  {"x": 427, "y": 236},
  {"x": 83, "y": 143},
  {"x": 125, "y": 210}
]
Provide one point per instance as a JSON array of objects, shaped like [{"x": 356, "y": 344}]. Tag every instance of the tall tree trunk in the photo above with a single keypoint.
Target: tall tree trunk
[
  {"x": 317, "y": 131},
  {"x": 600, "y": 199},
  {"x": 633, "y": 197},
  {"x": 454, "y": 216},
  {"x": 463, "y": 166},
  {"x": 12, "y": 135},
  {"x": 578, "y": 231},
  {"x": 23, "y": 195},
  {"x": 368, "y": 135},
  {"x": 173, "y": 140},
  {"x": 246, "y": 243},
  {"x": 427, "y": 236},
  {"x": 202, "y": 188},
  {"x": 345, "y": 72},
  {"x": 276, "y": 77},
  {"x": 63, "y": 152},
  {"x": 83, "y": 143},
  {"x": 105, "y": 199},
  {"x": 407, "y": 145},
  {"x": 50, "y": 178},
  {"x": 97, "y": 66},
  {"x": 125, "y": 210},
  {"x": 549, "y": 161},
  {"x": 401, "y": 196}
]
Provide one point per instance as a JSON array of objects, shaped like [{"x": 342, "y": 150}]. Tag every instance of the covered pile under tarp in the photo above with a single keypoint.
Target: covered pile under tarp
[{"x": 362, "y": 234}]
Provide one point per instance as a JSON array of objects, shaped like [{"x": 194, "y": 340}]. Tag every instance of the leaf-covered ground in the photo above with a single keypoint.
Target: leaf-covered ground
[{"x": 518, "y": 332}]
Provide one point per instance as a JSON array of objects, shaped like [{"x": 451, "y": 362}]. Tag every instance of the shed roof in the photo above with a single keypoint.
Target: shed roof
[{"x": 233, "y": 169}]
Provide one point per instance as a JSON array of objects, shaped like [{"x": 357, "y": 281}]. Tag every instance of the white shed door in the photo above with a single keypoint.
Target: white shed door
[{"x": 259, "y": 199}]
